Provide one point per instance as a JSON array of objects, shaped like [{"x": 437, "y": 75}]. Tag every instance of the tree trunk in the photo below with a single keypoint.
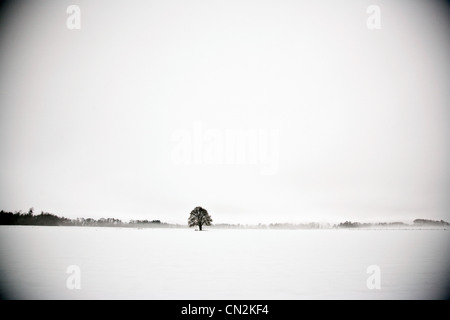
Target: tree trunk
[{"x": 200, "y": 227}]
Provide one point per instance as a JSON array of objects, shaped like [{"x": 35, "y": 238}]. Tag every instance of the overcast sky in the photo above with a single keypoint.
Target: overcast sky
[{"x": 259, "y": 111}]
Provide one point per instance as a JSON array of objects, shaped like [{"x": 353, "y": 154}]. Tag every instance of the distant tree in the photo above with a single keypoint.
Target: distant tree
[{"x": 199, "y": 217}]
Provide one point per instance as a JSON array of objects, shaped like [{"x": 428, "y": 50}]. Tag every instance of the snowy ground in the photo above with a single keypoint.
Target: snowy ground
[{"x": 121, "y": 263}]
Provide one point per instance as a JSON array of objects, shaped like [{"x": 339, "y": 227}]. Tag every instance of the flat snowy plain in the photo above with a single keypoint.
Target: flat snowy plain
[{"x": 129, "y": 263}]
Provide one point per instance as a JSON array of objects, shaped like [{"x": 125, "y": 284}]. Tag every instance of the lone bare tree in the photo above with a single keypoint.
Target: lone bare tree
[{"x": 199, "y": 217}]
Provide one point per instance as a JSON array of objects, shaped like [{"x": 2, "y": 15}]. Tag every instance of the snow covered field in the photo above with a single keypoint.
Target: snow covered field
[{"x": 122, "y": 263}]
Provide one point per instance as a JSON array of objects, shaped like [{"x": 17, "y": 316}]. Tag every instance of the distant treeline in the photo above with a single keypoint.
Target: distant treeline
[
  {"x": 43, "y": 219},
  {"x": 48, "y": 219},
  {"x": 312, "y": 225},
  {"x": 417, "y": 223},
  {"x": 434, "y": 223},
  {"x": 346, "y": 224},
  {"x": 349, "y": 224}
]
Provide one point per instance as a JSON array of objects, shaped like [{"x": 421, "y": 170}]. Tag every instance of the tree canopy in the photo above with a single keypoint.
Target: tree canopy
[{"x": 199, "y": 217}]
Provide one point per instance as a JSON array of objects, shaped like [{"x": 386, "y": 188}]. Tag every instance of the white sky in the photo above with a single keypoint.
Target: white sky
[{"x": 355, "y": 123}]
